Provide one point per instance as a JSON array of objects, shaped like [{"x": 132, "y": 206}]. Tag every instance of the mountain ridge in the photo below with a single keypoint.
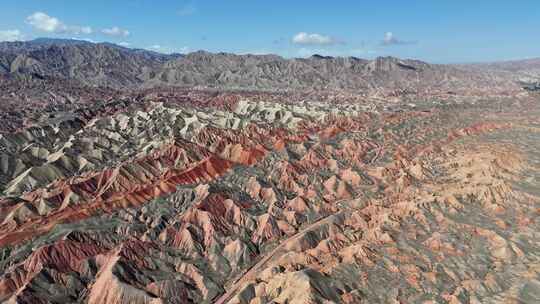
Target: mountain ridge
[{"x": 111, "y": 65}]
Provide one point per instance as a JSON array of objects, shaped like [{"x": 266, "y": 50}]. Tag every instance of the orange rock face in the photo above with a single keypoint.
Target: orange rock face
[{"x": 247, "y": 201}]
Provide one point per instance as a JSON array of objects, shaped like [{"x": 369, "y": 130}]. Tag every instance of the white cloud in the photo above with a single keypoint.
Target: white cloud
[
  {"x": 84, "y": 39},
  {"x": 46, "y": 23},
  {"x": 312, "y": 39},
  {"x": 168, "y": 50},
  {"x": 391, "y": 39},
  {"x": 115, "y": 31},
  {"x": 124, "y": 44},
  {"x": 184, "y": 50},
  {"x": 11, "y": 35}
]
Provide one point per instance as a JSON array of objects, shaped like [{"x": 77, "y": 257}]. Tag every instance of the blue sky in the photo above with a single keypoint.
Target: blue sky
[{"x": 436, "y": 30}]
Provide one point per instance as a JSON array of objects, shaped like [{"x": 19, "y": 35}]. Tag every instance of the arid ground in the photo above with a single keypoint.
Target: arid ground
[{"x": 392, "y": 193}]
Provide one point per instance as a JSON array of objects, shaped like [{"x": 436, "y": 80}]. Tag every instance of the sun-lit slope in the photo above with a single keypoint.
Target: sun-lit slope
[{"x": 267, "y": 201}]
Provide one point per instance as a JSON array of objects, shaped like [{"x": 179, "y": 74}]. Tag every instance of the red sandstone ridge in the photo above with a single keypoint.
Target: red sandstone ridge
[{"x": 224, "y": 198}]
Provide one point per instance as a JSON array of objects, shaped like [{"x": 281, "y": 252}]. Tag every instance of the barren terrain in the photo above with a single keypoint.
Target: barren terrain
[{"x": 399, "y": 192}]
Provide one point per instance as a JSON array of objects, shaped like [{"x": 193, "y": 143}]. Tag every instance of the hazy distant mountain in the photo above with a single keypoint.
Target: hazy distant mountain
[
  {"x": 106, "y": 64},
  {"x": 274, "y": 72},
  {"x": 526, "y": 70},
  {"x": 514, "y": 65}
]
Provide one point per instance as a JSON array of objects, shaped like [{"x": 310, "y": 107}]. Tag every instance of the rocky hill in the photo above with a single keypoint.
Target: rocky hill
[
  {"x": 525, "y": 71},
  {"x": 273, "y": 72},
  {"x": 101, "y": 64},
  {"x": 128, "y": 176},
  {"x": 265, "y": 202},
  {"x": 105, "y": 64}
]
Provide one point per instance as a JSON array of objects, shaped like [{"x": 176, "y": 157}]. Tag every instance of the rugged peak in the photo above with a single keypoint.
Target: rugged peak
[
  {"x": 317, "y": 56},
  {"x": 106, "y": 64},
  {"x": 389, "y": 63}
]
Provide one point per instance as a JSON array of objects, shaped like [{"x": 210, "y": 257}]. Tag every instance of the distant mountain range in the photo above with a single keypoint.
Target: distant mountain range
[{"x": 110, "y": 65}]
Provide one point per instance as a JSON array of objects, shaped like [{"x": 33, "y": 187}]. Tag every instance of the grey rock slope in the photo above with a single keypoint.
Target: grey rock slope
[
  {"x": 100, "y": 64},
  {"x": 266, "y": 72},
  {"x": 110, "y": 65},
  {"x": 526, "y": 71}
]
